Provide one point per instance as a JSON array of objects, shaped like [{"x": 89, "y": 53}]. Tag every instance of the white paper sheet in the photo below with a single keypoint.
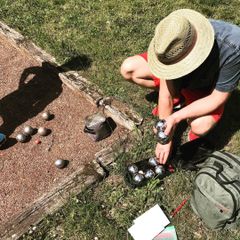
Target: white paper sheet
[
  {"x": 149, "y": 224},
  {"x": 154, "y": 214}
]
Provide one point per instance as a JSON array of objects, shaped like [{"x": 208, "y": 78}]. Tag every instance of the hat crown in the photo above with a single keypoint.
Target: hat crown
[{"x": 174, "y": 38}]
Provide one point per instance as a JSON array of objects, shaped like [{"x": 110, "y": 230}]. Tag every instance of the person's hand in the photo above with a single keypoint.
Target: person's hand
[
  {"x": 170, "y": 125},
  {"x": 163, "y": 152}
]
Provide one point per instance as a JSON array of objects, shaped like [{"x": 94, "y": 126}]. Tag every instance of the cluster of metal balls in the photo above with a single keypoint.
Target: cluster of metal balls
[
  {"x": 161, "y": 136},
  {"x": 29, "y": 130},
  {"x": 42, "y": 131},
  {"x": 140, "y": 175}
]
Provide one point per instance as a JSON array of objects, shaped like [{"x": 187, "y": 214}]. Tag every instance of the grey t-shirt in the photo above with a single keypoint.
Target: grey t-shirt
[{"x": 221, "y": 69}]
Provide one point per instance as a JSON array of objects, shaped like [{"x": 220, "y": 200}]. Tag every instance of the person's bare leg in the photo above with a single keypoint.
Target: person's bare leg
[
  {"x": 202, "y": 125},
  {"x": 135, "y": 69}
]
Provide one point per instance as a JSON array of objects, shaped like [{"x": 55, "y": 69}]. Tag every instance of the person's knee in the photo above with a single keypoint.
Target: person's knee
[
  {"x": 127, "y": 68},
  {"x": 201, "y": 126}
]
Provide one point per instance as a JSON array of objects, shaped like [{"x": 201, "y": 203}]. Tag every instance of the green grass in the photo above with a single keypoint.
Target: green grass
[{"x": 105, "y": 32}]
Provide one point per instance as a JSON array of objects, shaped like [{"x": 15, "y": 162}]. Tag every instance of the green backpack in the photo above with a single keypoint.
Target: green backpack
[{"x": 216, "y": 194}]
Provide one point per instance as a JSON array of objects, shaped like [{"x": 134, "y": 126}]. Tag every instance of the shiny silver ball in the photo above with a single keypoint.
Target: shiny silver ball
[
  {"x": 162, "y": 135},
  {"x": 42, "y": 131},
  {"x": 159, "y": 170},
  {"x": 28, "y": 130},
  {"x": 152, "y": 161},
  {"x": 138, "y": 178},
  {"x": 21, "y": 137},
  {"x": 161, "y": 125},
  {"x": 149, "y": 174},
  {"x": 60, "y": 163},
  {"x": 46, "y": 115},
  {"x": 133, "y": 169}
]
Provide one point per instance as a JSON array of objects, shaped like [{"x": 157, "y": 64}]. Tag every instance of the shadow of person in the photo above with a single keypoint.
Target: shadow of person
[
  {"x": 228, "y": 125},
  {"x": 38, "y": 87}
]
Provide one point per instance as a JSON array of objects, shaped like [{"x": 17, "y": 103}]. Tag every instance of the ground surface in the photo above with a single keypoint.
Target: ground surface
[
  {"x": 27, "y": 170},
  {"x": 102, "y": 34}
]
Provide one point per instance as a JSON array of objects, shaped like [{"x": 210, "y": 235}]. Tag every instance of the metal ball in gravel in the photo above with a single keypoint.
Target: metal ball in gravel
[
  {"x": 60, "y": 163},
  {"x": 152, "y": 161},
  {"x": 149, "y": 174},
  {"x": 43, "y": 131},
  {"x": 21, "y": 137},
  {"x": 159, "y": 170},
  {"x": 138, "y": 178},
  {"x": 133, "y": 169},
  {"x": 28, "y": 130},
  {"x": 46, "y": 115}
]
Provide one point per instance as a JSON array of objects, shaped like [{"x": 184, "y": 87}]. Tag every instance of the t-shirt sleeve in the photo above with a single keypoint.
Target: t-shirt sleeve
[{"x": 229, "y": 75}]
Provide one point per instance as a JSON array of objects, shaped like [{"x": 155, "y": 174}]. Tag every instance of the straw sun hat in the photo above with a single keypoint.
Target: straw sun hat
[{"x": 182, "y": 41}]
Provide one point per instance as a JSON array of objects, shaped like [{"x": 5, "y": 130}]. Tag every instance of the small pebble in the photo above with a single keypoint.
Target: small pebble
[
  {"x": 37, "y": 141},
  {"x": 14, "y": 236}
]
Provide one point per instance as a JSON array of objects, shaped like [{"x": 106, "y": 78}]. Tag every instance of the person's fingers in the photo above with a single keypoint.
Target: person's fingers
[
  {"x": 165, "y": 158},
  {"x": 154, "y": 130},
  {"x": 168, "y": 129},
  {"x": 157, "y": 155},
  {"x": 161, "y": 159}
]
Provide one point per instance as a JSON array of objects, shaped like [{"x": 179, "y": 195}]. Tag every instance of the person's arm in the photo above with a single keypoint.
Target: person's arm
[
  {"x": 165, "y": 106},
  {"x": 201, "y": 107},
  {"x": 165, "y": 100}
]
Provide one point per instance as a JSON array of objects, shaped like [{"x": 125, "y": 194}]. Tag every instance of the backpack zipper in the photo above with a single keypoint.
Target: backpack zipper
[
  {"x": 230, "y": 156},
  {"x": 222, "y": 159},
  {"x": 226, "y": 179},
  {"x": 237, "y": 182}
]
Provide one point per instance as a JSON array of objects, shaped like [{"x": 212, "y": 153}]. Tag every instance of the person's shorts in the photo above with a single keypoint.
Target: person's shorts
[
  {"x": 154, "y": 78},
  {"x": 190, "y": 95}
]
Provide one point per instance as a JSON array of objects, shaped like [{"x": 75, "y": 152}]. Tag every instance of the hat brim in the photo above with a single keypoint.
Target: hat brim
[{"x": 198, "y": 54}]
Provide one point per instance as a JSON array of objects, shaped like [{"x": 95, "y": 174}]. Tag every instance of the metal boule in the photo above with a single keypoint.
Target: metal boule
[
  {"x": 138, "y": 178},
  {"x": 159, "y": 170},
  {"x": 46, "y": 115},
  {"x": 149, "y": 174},
  {"x": 133, "y": 169},
  {"x": 21, "y": 137},
  {"x": 60, "y": 163},
  {"x": 161, "y": 125},
  {"x": 43, "y": 131},
  {"x": 28, "y": 130},
  {"x": 162, "y": 135},
  {"x": 153, "y": 161}
]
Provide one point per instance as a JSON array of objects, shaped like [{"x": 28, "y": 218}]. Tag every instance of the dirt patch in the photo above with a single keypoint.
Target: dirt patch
[{"x": 27, "y": 170}]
